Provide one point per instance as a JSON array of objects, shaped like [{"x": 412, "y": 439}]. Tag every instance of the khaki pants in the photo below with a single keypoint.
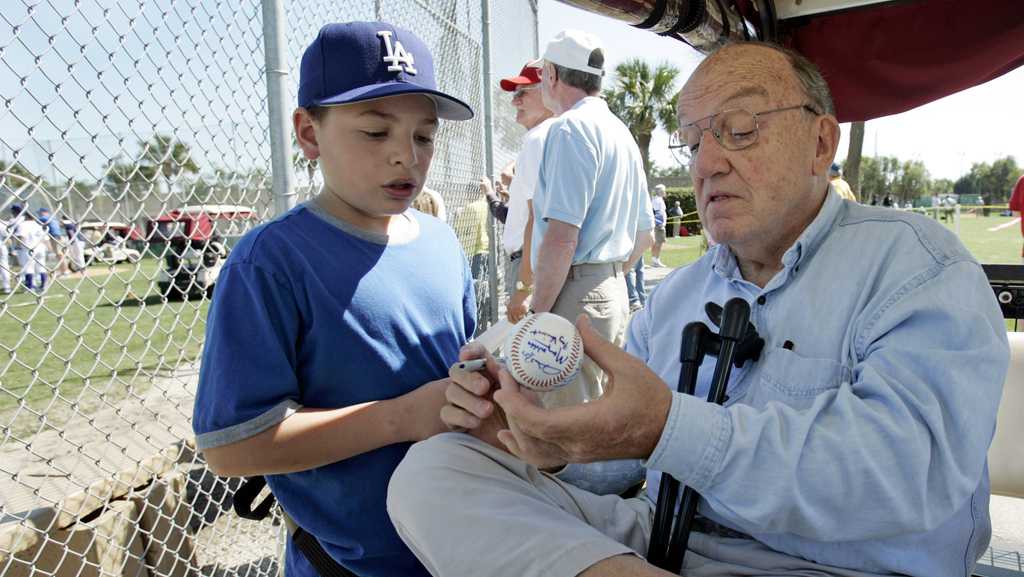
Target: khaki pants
[
  {"x": 466, "y": 508},
  {"x": 599, "y": 290}
]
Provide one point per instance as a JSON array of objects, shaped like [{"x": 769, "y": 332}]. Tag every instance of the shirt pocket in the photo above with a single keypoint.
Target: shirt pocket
[{"x": 794, "y": 380}]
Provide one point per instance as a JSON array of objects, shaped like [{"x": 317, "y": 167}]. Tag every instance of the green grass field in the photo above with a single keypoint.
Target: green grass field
[
  {"x": 91, "y": 341},
  {"x": 989, "y": 247},
  {"x": 94, "y": 340}
]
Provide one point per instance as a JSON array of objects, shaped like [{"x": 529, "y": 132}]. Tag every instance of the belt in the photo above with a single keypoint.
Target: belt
[
  {"x": 516, "y": 255},
  {"x": 595, "y": 269},
  {"x": 709, "y": 527}
]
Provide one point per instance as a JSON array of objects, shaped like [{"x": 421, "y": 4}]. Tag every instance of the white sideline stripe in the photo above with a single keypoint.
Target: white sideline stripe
[{"x": 1005, "y": 225}]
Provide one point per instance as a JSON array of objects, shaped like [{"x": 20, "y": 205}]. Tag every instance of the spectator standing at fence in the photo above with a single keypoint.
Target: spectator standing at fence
[
  {"x": 471, "y": 226},
  {"x": 660, "y": 218},
  {"x": 854, "y": 446},
  {"x": 1017, "y": 207},
  {"x": 536, "y": 118},
  {"x": 327, "y": 320},
  {"x": 591, "y": 211},
  {"x": 842, "y": 188},
  {"x": 497, "y": 194}
]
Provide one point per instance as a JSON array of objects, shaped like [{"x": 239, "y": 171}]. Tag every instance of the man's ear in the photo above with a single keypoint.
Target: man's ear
[
  {"x": 827, "y": 128},
  {"x": 305, "y": 133}
]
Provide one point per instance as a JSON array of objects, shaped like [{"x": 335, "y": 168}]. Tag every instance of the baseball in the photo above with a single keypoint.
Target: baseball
[{"x": 544, "y": 352}]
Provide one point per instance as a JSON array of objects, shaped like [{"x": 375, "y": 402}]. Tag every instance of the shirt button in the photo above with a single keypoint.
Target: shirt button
[{"x": 761, "y": 300}]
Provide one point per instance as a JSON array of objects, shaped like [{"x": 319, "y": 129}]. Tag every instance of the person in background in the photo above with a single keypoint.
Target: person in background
[
  {"x": 1017, "y": 208},
  {"x": 533, "y": 115},
  {"x": 842, "y": 188},
  {"x": 591, "y": 212},
  {"x": 427, "y": 203},
  {"x": 6, "y": 233},
  {"x": 30, "y": 242},
  {"x": 76, "y": 247},
  {"x": 660, "y": 217},
  {"x": 675, "y": 216}
]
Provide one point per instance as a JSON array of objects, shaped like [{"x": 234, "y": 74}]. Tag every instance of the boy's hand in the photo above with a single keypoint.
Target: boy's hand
[{"x": 470, "y": 407}]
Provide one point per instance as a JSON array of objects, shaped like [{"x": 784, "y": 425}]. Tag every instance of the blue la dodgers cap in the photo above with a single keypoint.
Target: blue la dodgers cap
[{"x": 355, "y": 61}]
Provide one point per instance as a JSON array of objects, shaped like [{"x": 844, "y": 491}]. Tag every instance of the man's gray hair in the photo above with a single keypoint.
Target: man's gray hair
[{"x": 585, "y": 81}]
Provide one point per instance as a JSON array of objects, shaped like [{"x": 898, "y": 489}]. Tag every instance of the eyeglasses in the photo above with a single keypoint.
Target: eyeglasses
[
  {"x": 522, "y": 90},
  {"x": 734, "y": 129}
]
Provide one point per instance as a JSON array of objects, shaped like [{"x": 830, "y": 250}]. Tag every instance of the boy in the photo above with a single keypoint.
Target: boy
[{"x": 326, "y": 322}]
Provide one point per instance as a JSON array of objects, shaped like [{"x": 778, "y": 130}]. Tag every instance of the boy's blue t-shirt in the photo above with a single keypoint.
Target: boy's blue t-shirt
[{"x": 311, "y": 312}]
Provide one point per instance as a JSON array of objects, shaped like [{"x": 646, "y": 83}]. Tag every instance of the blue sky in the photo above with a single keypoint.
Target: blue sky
[{"x": 977, "y": 125}]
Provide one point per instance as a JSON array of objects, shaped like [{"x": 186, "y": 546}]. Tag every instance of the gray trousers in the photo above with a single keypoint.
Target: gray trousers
[
  {"x": 465, "y": 508},
  {"x": 599, "y": 290}
]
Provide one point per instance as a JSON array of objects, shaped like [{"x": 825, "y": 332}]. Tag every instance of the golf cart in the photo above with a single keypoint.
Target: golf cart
[
  {"x": 194, "y": 246},
  {"x": 110, "y": 242}
]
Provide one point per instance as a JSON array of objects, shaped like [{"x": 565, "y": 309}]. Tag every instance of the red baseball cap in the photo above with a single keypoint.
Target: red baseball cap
[{"x": 530, "y": 74}]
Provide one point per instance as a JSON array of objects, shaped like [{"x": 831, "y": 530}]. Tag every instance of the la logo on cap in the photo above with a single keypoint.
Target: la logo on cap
[{"x": 397, "y": 58}]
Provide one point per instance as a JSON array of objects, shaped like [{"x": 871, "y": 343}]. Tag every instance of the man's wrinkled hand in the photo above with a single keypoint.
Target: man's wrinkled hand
[{"x": 625, "y": 423}]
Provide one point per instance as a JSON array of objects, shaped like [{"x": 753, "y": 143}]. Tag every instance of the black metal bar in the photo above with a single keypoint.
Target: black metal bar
[
  {"x": 735, "y": 316},
  {"x": 691, "y": 355}
]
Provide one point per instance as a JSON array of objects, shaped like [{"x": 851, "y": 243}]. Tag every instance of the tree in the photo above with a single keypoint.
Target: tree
[
  {"x": 1000, "y": 179},
  {"x": 675, "y": 171},
  {"x": 877, "y": 175},
  {"x": 17, "y": 169},
  {"x": 644, "y": 99},
  {"x": 851, "y": 168},
  {"x": 165, "y": 157},
  {"x": 911, "y": 181}
]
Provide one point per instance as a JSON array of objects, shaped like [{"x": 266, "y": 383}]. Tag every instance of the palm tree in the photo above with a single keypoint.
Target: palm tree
[
  {"x": 644, "y": 99},
  {"x": 165, "y": 157}
]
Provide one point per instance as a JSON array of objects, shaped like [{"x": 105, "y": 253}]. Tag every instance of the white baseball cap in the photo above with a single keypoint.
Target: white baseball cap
[{"x": 572, "y": 49}]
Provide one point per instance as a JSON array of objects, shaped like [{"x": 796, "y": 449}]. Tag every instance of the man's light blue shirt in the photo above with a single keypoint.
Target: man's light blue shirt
[
  {"x": 592, "y": 177},
  {"x": 863, "y": 445}
]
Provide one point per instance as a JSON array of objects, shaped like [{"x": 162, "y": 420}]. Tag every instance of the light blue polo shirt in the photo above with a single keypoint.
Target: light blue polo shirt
[{"x": 592, "y": 177}]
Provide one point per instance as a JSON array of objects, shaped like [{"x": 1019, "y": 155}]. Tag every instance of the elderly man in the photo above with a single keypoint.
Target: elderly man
[
  {"x": 532, "y": 115},
  {"x": 592, "y": 215},
  {"x": 855, "y": 446}
]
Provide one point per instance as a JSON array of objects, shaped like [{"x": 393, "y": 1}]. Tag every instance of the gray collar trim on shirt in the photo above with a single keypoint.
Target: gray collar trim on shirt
[{"x": 375, "y": 238}]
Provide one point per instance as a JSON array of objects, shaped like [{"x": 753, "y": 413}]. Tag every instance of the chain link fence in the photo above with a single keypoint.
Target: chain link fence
[{"x": 143, "y": 128}]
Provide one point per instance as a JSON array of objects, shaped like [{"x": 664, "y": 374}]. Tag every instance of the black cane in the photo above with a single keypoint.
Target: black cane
[
  {"x": 735, "y": 317},
  {"x": 691, "y": 355}
]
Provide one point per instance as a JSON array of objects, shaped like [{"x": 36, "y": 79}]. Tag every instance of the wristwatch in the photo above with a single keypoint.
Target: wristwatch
[{"x": 523, "y": 287}]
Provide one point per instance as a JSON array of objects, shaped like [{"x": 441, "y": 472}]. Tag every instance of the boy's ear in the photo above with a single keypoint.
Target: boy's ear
[{"x": 305, "y": 133}]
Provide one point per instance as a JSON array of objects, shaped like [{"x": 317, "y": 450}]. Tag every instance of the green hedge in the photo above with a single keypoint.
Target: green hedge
[{"x": 687, "y": 202}]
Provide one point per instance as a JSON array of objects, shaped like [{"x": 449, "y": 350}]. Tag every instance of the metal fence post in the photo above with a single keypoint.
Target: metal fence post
[
  {"x": 275, "y": 47},
  {"x": 492, "y": 229}
]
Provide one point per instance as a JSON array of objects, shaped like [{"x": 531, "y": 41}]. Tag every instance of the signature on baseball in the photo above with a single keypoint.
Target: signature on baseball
[{"x": 548, "y": 352}]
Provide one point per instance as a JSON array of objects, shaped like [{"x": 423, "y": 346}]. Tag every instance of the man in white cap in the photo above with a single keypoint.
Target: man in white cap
[{"x": 592, "y": 215}]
